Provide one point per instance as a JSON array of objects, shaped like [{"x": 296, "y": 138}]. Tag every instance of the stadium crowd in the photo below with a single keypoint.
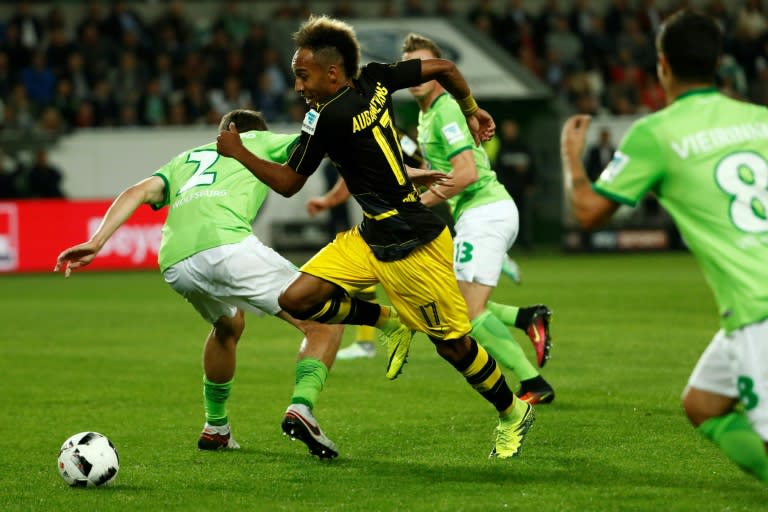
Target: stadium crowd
[{"x": 115, "y": 67}]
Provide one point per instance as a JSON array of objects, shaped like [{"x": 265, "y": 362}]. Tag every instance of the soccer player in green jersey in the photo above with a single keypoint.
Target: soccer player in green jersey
[
  {"x": 486, "y": 225},
  {"x": 705, "y": 156},
  {"x": 400, "y": 243},
  {"x": 210, "y": 256}
]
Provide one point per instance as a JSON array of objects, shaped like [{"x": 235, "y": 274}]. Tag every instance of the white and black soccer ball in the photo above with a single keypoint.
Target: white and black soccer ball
[{"x": 88, "y": 459}]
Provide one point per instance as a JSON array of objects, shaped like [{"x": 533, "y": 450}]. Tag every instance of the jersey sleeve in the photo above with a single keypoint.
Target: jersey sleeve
[
  {"x": 636, "y": 167},
  {"x": 165, "y": 173},
  {"x": 397, "y": 75},
  {"x": 306, "y": 156},
  {"x": 450, "y": 127}
]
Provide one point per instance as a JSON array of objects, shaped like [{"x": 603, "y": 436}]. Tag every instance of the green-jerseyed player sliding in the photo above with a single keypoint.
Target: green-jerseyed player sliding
[
  {"x": 705, "y": 156},
  {"x": 210, "y": 256}
]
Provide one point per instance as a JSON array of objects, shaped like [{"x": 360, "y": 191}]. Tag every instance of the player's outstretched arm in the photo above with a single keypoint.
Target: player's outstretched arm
[
  {"x": 280, "y": 178},
  {"x": 148, "y": 191},
  {"x": 338, "y": 194},
  {"x": 590, "y": 208},
  {"x": 480, "y": 122}
]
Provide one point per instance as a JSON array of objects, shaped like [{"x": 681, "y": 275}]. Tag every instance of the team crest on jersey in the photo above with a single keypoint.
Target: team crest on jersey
[
  {"x": 310, "y": 121},
  {"x": 452, "y": 133},
  {"x": 615, "y": 166}
]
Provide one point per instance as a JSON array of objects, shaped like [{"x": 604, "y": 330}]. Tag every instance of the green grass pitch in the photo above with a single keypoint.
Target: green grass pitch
[{"x": 121, "y": 354}]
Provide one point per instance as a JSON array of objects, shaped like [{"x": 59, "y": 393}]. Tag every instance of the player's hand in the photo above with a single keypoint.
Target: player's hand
[
  {"x": 481, "y": 125},
  {"x": 228, "y": 142},
  {"x": 574, "y": 135},
  {"x": 316, "y": 205},
  {"x": 425, "y": 178},
  {"x": 76, "y": 257}
]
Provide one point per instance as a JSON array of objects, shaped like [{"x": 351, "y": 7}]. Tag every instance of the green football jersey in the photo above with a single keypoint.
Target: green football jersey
[
  {"x": 212, "y": 200},
  {"x": 705, "y": 157},
  {"x": 443, "y": 133}
]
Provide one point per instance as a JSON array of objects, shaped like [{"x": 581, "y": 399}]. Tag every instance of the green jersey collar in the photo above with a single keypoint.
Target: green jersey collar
[
  {"x": 700, "y": 90},
  {"x": 434, "y": 102}
]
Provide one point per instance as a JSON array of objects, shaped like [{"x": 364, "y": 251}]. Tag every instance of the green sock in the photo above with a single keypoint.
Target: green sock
[
  {"x": 216, "y": 396},
  {"x": 507, "y": 314},
  {"x": 495, "y": 337},
  {"x": 734, "y": 435},
  {"x": 311, "y": 375}
]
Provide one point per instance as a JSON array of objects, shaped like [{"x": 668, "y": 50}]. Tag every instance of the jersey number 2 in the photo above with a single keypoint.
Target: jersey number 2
[{"x": 201, "y": 177}]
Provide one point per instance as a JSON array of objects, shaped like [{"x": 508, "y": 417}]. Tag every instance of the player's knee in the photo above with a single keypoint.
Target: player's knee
[
  {"x": 454, "y": 350},
  {"x": 229, "y": 329}
]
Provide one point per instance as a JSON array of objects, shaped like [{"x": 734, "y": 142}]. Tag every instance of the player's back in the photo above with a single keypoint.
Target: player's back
[
  {"x": 713, "y": 167},
  {"x": 212, "y": 199}
]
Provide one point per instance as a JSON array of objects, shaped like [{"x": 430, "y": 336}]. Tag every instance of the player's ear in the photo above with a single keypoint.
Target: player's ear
[{"x": 334, "y": 75}]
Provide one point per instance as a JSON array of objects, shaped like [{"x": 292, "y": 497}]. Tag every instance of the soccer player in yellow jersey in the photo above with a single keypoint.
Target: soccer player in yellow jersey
[{"x": 400, "y": 243}]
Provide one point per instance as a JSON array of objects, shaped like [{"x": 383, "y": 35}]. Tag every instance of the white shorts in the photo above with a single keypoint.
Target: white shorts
[
  {"x": 483, "y": 236},
  {"x": 247, "y": 275},
  {"x": 736, "y": 366}
]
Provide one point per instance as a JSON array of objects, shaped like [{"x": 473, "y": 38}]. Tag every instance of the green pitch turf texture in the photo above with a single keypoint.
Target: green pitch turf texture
[{"x": 120, "y": 354}]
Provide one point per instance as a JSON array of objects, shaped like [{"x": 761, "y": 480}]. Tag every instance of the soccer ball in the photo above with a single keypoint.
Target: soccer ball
[{"x": 88, "y": 459}]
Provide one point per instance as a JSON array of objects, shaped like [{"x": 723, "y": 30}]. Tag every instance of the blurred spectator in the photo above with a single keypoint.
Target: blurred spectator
[
  {"x": 514, "y": 27},
  {"x": 581, "y": 18},
  {"x": 65, "y": 101},
  {"x": 51, "y": 123},
  {"x": 19, "y": 55},
  {"x": 414, "y": 9},
  {"x": 124, "y": 20},
  {"x": 252, "y": 51},
  {"x": 93, "y": 16},
  {"x": 105, "y": 107},
  {"x": 599, "y": 154},
  {"x": 39, "y": 80},
  {"x": 75, "y": 74},
  {"x": 58, "y": 50},
  {"x": 732, "y": 77},
  {"x": 162, "y": 71},
  {"x": 563, "y": 42},
  {"x": 174, "y": 18},
  {"x": 444, "y": 8},
  {"x": 153, "y": 106},
  {"x": 215, "y": 53},
  {"x": 6, "y": 78},
  {"x": 127, "y": 79},
  {"x": 650, "y": 16},
  {"x": 44, "y": 178},
  {"x": 85, "y": 117},
  {"x": 129, "y": 116},
  {"x": 20, "y": 112},
  {"x": 234, "y": 21},
  {"x": 516, "y": 171},
  {"x": 640, "y": 47},
  {"x": 758, "y": 90},
  {"x": 230, "y": 96},
  {"x": 652, "y": 96},
  {"x": 97, "y": 52},
  {"x": 196, "y": 102},
  {"x": 267, "y": 99},
  {"x": 388, "y": 9},
  {"x": 9, "y": 175},
  {"x": 30, "y": 26},
  {"x": 344, "y": 9},
  {"x": 615, "y": 17},
  {"x": 751, "y": 20}
]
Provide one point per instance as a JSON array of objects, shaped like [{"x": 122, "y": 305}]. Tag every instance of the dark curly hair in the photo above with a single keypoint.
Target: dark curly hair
[{"x": 330, "y": 40}]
